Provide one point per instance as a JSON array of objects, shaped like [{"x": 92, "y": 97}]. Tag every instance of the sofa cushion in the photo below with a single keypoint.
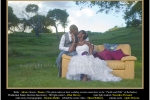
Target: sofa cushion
[
  {"x": 100, "y": 48},
  {"x": 116, "y": 64},
  {"x": 125, "y": 48},
  {"x": 64, "y": 56},
  {"x": 110, "y": 47},
  {"x": 95, "y": 48},
  {"x": 105, "y": 55},
  {"x": 117, "y": 55}
]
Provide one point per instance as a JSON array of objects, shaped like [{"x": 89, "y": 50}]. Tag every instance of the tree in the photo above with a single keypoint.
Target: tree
[
  {"x": 130, "y": 8},
  {"x": 133, "y": 16},
  {"x": 64, "y": 24},
  {"x": 32, "y": 10},
  {"x": 23, "y": 25},
  {"x": 13, "y": 20},
  {"x": 42, "y": 22},
  {"x": 56, "y": 17},
  {"x": 64, "y": 21}
]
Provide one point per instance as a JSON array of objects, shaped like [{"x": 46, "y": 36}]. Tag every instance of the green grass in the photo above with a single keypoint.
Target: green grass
[{"x": 31, "y": 59}]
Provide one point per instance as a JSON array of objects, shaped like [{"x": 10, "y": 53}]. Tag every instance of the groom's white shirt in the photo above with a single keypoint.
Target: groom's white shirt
[{"x": 62, "y": 42}]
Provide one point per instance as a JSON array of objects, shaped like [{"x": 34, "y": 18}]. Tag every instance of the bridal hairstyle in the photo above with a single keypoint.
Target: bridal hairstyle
[{"x": 85, "y": 36}]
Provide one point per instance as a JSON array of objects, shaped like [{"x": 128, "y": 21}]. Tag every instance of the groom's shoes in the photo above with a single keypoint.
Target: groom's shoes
[
  {"x": 88, "y": 79},
  {"x": 82, "y": 76},
  {"x": 59, "y": 71},
  {"x": 56, "y": 62}
]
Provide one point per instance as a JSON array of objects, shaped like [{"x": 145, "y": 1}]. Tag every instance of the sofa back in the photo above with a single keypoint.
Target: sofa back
[{"x": 124, "y": 47}]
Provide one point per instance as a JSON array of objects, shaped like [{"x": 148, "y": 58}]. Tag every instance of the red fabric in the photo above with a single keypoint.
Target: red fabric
[
  {"x": 96, "y": 55},
  {"x": 105, "y": 55},
  {"x": 117, "y": 55}
]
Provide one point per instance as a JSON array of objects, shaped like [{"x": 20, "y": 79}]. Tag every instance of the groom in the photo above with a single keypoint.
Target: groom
[{"x": 65, "y": 43}]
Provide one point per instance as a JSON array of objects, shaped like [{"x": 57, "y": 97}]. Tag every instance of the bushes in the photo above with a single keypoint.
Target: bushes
[{"x": 44, "y": 30}]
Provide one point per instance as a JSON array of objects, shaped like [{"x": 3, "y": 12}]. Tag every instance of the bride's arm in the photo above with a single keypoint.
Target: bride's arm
[{"x": 72, "y": 47}]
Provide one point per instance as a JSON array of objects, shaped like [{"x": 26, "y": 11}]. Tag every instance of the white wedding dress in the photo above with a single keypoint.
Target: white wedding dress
[{"x": 94, "y": 68}]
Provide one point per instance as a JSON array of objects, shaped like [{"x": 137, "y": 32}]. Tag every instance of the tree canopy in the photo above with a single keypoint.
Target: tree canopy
[
  {"x": 56, "y": 17},
  {"x": 38, "y": 23},
  {"x": 32, "y": 8},
  {"x": 35, "y": 24},
  {"x": 12, "y": 19},
  {"x": 133, "y": 16},
  {"x": 132, "y": 9}
]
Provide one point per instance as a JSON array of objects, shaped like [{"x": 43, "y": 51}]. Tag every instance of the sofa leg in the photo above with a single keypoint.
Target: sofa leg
[{"x": 129, "y": 69}]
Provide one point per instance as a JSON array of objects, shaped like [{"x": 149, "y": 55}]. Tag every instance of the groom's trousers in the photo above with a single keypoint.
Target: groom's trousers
[{"x": 59, "y": 60}]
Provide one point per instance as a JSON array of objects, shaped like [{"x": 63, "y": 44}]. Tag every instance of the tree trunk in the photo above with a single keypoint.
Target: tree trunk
[
  {"x": 38, "y": 25},
  {"x": 36, "y": 31},
  {"x": 14, "y": 28},
  {"x": 18, "y": 27},
  {"x": 57, "y": 33},
  {"x": 34, "y": 25},
  {"x": 23, "y": 28},
  {"x": 64, "y": 29},
  {"x": 41, "y": 27}
]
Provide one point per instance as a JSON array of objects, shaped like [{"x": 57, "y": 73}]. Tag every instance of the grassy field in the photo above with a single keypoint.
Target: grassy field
[{"x": 31, "y": 60}]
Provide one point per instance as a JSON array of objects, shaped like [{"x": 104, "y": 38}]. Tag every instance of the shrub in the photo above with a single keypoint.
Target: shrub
[{"x": 44, "y": 30}]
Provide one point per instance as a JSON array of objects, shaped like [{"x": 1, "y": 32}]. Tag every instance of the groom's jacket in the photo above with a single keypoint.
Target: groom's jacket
[{"x": 66, "y": 41}]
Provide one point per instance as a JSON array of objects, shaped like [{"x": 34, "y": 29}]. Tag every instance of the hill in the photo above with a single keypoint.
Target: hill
[{"x": 31, "y": 59}]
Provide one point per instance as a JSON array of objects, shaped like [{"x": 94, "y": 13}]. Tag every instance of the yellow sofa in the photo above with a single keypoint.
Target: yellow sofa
[{"x": 123, "y": 68}]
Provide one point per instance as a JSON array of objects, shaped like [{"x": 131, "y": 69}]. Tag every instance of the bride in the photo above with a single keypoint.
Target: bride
[{"x": 84, "y": 66}]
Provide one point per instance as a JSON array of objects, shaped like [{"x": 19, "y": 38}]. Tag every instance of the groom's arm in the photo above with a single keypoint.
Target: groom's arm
[{"x": 61, "y": 44}]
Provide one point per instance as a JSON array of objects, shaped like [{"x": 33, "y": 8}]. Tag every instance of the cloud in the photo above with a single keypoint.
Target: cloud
[
  {"x": 85, "y": 19},
  {"x": 44, "y": 6},
  {"x": 84, "y": 12},
  {"x": 57, "y": 4},
  {"x": 19, "y": 6},
  {"x": 72, "y": 20}
]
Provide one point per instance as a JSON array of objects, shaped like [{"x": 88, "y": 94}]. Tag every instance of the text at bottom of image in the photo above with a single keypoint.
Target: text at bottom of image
[{"x": 68, "y": 98}]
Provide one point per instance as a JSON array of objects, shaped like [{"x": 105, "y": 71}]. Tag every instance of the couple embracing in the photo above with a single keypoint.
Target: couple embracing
[{"x": 82, "y": 66}]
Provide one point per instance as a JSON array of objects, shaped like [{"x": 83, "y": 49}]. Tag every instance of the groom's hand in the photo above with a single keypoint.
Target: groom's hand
[{"x": 73, "y": 37}]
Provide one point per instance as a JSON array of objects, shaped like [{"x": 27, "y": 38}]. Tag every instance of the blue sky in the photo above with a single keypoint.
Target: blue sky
[{"x": 85, "y": 19}]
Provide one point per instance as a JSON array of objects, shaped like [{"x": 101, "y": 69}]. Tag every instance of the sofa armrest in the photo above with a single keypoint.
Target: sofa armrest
[
  {"x": 128, "y": 58},
  {"x": 64, "y": 56}
]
